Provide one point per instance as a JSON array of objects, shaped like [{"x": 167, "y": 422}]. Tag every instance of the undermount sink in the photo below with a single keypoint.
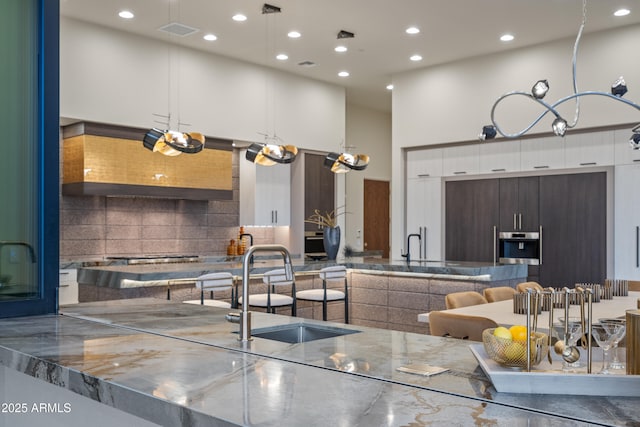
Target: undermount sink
[{"x": 300, "y": 333}]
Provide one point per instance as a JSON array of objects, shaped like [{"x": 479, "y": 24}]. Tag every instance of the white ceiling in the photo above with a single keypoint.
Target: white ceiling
[{"x": 450, "y": 30}]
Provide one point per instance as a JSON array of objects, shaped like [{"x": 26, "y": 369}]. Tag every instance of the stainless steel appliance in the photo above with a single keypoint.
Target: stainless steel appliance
[
  {"x": 314, "y": 245},
  {"x": 520, "y": 247}
]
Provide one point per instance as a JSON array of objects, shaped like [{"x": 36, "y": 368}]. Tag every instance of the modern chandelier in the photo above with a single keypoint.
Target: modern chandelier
[{"x": 560, "y": 124}]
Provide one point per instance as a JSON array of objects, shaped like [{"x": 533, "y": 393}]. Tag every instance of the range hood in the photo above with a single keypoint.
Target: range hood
[{"x": 108, "y": 160}]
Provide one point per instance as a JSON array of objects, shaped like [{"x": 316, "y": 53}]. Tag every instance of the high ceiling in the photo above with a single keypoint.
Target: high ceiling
[{"x": 449, "y": 30}]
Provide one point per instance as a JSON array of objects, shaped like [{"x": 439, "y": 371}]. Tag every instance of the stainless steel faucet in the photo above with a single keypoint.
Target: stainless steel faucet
[
  {"x": 245, "y": 315},
  {"x": 408, "y": 254}
]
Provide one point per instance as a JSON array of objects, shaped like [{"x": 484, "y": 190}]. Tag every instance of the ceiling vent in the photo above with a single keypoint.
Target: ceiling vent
[
  {"x": 307, "y": 64},
  {"x": 345, "y": 35},
  {"x": 178, "y": 29},
  {"x": 269, "y": 8}
]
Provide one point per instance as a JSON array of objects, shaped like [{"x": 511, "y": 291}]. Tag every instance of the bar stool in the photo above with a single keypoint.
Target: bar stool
[
  {"x": 329, "y": 274},
  {"x": 213, "y": 282},
  {"x": 499, "y": 293},
  {"x": 272, "y": 300}
]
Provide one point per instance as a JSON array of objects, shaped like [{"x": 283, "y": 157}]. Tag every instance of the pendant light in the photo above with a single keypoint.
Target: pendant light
[
  {"x": 172, "y": 142},
  {"x": 560, "y": 125},
  {"x": 273, "y": 150},
  {"x": 345, "y": 162}
]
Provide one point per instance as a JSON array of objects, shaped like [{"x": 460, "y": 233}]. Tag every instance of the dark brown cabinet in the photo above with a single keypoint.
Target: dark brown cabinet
[
  {"x": 519, "y": 204},
  {"x": 318, "y": 188},
  {"x": 573, "y": 219},
  {"x": 471, "y": 211}
]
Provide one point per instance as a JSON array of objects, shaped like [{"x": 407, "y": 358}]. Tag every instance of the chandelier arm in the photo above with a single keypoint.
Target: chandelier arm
[
  {"x": 548, "y": 109},
  {"x": 574, "y": 66}
]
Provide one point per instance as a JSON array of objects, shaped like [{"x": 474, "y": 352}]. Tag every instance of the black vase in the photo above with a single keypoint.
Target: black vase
[{"x": 331, "y": 241}]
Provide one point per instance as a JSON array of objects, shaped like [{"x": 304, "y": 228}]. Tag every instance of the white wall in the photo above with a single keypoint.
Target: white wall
[
  {"x": 115, "y": 77},
  {"x": 370, "y": 132},
  {"x": 451, "y": 102}
]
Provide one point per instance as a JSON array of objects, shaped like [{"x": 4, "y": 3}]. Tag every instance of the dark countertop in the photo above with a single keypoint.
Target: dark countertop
[
  {"x": 113, "y": 275},
  {"x": 183, "y": 359}
]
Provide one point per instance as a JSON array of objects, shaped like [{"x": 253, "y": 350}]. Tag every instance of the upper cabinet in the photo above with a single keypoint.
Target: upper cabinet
[
  {"x": 542, "y": 153},
  {"x": 623, "y": 154},
  {"x": 424, "y": 163},
  {"x": 499, "y": 156},
  {"x": 265, "y": 194},
  {"x": 589, "y": 149},
  {"x": 461, "y": 160}
]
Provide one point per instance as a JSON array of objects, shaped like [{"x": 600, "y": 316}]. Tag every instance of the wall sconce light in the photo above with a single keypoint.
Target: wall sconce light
[
  {"x": 172, "y": 143},
  {"x": 345, "y": 162},
  {"x": 560, "y": 125},
  {"x": 270, "y": 154}
]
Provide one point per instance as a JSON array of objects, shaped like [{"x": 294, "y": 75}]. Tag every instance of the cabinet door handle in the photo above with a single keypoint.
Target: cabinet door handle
[
  {"x": 499, "y": 170},
  {"x": 460, "y": 172},
  {"x": 514, "y": 221},
  {"x": 588, "y": 164},
  {"x": 541, "y": 167},
  {"x": 519, "y": 221},
  {"x": 423, "y": 175},
  {"x": 540, "y": 251},
  {"x": 495, "y": 243},
  {"x": 637, "y": 247}
]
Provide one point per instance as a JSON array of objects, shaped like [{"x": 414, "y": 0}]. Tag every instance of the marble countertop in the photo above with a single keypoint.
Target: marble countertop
[
  {"x": 112, "y": 275},
  {"x": 167, "y": 362}
]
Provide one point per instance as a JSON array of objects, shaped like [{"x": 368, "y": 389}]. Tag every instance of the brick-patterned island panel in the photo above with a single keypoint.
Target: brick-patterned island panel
[{"x": 393, "y": 300}]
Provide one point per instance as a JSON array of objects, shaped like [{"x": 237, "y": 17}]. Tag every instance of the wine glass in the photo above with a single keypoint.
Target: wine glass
[
  {"x": 619, "y": 335},
  {"x": 604, "y": 336},
  {"x": 574, "y": 331}
]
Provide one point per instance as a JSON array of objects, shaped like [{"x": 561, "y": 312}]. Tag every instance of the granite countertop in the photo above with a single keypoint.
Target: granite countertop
[
  {"x": 165, "y": 361},
  {"x": 112, "y": 275}
]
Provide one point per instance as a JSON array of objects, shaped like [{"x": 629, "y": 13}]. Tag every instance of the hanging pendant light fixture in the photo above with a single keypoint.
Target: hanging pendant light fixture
[
  {"x": 171, "y": 142},
  {"x": 273, "y": 150},
  {"x": 345, "y": 162},
  {"x": 268, "y": 154},
  {"x": 560, "y": 125}
]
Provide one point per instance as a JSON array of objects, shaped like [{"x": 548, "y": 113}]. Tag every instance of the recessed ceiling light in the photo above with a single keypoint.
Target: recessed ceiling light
[
  {"x": 389, "y": 87},
  {"x": 126, "y": 14},
  {"x": 294, "y": 34},
  {"x": 416, "y": 58},
  {"x": 506, "y": 37},
  {"x": 343, "y": 74},
  {"x": 238, "y": 17},
  {"x": 282, "y": 57},
  {"x": 621, "y": 12},
  {"x": 340, "y": 49},
  {"x": 210, "y": 37},
  {"x": 412, "y": 30}
]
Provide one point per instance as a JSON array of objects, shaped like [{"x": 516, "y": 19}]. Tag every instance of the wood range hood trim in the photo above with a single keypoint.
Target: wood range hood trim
[{"x": 109, "y": 160}]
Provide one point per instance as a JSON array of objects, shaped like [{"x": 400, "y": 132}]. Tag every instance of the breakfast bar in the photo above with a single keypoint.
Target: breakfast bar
[{"x": 179, "y": 364}]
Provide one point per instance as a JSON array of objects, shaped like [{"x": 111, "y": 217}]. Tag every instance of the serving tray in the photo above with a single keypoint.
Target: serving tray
[{"x": 549, "y": 379}]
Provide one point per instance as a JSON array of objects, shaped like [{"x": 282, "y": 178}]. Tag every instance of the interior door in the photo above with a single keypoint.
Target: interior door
[{"x": 376, "y": 216}]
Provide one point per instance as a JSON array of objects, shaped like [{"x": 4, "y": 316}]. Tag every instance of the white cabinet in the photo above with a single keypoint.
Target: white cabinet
[
  {"x": 460, "y": 160},
  {"x": 424, "y": 217},
  {"x": 627, "y": 222},
  {"x": 623, "y": 153},
  {"x": 500, "y": 156},
  {"x": 265, "y": 194},
  {"x": 589, "y": 149},
  {"x": 542, "y": 153},
  {"x": 424, "y": 163},
  {"x": 68, "y": 286}
]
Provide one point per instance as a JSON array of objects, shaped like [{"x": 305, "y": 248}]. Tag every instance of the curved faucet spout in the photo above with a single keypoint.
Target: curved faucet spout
[
  {"x": 245, "y": 315},
  {"x": 408, "y": 254}
]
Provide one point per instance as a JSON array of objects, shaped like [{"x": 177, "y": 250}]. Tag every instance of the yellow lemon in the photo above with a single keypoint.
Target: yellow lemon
[
  {"x": 502, "y": 332},
  {"x": 518, "y": 333}
]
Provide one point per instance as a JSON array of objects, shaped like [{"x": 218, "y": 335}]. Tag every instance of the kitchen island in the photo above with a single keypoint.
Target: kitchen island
[
  {"x": 178, "y": 364},
  {"x": 383, "y": 293}
]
